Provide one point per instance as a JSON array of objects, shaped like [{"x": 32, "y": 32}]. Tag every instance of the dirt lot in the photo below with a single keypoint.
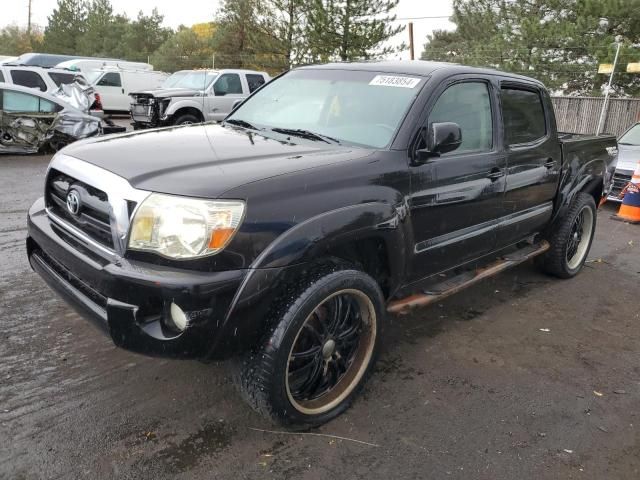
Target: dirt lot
[{"x": 470, "y": 389}]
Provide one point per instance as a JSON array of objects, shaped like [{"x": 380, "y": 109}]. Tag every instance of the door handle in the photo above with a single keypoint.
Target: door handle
[
  {"x": 550, "y": 163},
  {"x": 123, "y": 90},
  {"x": 495, "y": 174}
]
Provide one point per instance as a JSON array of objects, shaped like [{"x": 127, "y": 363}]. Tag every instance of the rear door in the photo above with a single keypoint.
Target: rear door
[
  {"x": 111, "y": 90},
  {"x": 456, "y": 198},
  {"x": 533, "y": 157}
]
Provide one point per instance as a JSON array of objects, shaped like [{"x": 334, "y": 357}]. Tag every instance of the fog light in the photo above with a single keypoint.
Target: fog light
[{"x": 179, "y": 318}]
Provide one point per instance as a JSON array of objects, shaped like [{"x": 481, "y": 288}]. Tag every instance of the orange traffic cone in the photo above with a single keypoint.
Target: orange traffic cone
[{"x": 630, "y": 208}]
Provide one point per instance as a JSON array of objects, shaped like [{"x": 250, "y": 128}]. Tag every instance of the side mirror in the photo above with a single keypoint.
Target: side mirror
[
  {"x": 440, "y": 138},
  {"x": 237, "y": 103}
]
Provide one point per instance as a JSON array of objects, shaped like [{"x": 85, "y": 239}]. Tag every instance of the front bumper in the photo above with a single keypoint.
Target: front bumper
[
  {"x": 130, "y": 301},
  {"x": 620, "y": 180}
]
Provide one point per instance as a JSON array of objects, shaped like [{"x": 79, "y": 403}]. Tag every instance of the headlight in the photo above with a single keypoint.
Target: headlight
[{"x": 180, "y": 227}]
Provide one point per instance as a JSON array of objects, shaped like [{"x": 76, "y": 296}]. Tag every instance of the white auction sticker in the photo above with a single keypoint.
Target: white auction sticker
[{"x": 394, "y": 81}]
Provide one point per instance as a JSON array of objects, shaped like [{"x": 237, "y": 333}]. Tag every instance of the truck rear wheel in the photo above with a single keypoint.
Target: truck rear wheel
[
  {"x": 571, "y": 239},
  {"x": 308, "y": 369}
]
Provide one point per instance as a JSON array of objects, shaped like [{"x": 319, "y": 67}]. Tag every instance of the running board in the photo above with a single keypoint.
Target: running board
[{"x": 466, "y": 279}]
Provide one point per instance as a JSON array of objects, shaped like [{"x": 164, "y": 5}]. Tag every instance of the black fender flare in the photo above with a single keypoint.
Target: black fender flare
[
  {"x": 574, "y": 180},
  {"x": 292, "y": 252}
]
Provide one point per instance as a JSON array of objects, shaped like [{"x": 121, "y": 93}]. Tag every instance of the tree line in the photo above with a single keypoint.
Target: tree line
[
  {"x": 266, "y": 34},
  {"x": 560, "y": 42}
]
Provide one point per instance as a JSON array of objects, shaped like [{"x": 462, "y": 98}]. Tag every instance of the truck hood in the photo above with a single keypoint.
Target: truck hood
[
  {"x": 168, "y": 93},
  {"x": 204, "y": 160},
  {"x": 628, "y": 157}
]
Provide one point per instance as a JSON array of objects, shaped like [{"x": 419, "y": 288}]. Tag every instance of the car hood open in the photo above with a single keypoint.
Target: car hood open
[{"x": 204, "y": 160}]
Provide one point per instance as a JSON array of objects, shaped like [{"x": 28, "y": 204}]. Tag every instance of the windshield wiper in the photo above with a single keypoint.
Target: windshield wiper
[
  {"x": 241, "y": 123},
  {"x": 308, "y": 134}
]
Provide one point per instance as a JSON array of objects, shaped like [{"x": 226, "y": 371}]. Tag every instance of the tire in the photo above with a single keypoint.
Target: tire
[
  {"x": 570, "y": 239},
  {"x": 186, "y": 119},
  {"x": 286, "y": 377}
]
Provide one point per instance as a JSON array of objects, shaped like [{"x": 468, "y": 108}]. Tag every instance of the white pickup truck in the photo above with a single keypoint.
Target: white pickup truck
[{"x": 194, "y": 96}]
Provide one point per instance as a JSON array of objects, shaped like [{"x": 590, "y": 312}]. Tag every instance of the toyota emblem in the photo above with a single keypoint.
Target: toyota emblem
[{"x": 73, "y": 202}]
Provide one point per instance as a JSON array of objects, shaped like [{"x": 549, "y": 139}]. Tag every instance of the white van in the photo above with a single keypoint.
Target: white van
[
  {"x": 84, "y": 64},
  {"x": 115, "y": 84}
]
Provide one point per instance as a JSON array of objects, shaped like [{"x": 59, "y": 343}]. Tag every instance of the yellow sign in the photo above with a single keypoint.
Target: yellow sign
[
  {"x": 605, "y": 68},
  {"x": 633, "y": 68}
]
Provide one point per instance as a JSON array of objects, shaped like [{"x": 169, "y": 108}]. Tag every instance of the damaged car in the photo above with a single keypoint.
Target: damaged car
[
  {"x": 194, "y": 96},
  {"x": 33, "y": 121}
]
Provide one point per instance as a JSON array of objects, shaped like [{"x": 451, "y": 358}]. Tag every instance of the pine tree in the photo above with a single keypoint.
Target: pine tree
[
  {"x": 240, "y": 40},
  {"x": 65, "y": 27},
  {"x": 557, "y": 41},
  {"x": 98, "y": 29},
  {"x": 351, "y": 29}
]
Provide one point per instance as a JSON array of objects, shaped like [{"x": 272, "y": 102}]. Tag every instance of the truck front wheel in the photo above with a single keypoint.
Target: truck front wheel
[
  {"x": 310, "y": 366},
  {"x": 186, "y": 119},
  {"x": 571, "y": 239}
]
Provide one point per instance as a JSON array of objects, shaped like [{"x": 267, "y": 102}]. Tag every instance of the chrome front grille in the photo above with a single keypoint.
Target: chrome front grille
[
  {"x": 620, "y": 180},
  {"x": 92, "y": 216},
  {"x": 91, "y": 203}
]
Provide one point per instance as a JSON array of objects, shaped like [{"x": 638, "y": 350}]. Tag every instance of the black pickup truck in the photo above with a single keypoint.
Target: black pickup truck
[{"x": 332, "y": 197}]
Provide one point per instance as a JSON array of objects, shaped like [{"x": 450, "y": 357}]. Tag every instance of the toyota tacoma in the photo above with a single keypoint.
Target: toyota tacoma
[{"x": 333, "y": 197}]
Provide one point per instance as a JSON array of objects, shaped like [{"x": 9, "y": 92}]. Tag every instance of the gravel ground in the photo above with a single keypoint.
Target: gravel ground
[{"x": 522, "y": 376}]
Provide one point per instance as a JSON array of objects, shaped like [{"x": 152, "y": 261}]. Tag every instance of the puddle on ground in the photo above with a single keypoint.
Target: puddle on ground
[{"x": 210, "y": 439}]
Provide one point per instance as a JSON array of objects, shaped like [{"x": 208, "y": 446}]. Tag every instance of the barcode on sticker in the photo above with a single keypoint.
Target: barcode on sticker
[{"x": 394, "y": 81}]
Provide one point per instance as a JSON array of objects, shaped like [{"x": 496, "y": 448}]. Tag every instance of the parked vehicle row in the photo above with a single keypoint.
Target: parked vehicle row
[
  {"x": 116, "y": 84},
  {"x": 331, "y": 197},
  {"x": 194, "y": 96}
]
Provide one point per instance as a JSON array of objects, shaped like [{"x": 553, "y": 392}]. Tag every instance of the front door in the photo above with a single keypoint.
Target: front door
[
  {"x": 112, "y": 92},
  {"x": 456, "y": 198},
  {"x": 224, "y": 93}
]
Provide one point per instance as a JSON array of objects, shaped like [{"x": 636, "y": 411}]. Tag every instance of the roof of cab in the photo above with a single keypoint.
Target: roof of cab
[{"x": 417, "y": 67}]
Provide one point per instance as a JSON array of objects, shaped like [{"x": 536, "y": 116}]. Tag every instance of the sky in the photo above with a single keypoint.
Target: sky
[{"x": 188, "y": 12}]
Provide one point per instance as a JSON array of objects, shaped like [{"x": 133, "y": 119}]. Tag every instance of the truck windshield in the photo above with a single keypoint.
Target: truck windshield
[
  {"x": 197, "y": 80},
  {"x": 357, "y": 107}
]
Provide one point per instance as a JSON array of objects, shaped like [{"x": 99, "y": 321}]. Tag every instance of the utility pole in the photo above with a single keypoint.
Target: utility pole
[
  {"x": 29, "y": 23},
  {"x": 411, "y": 53},
  {"x": 606, "y": 95}
]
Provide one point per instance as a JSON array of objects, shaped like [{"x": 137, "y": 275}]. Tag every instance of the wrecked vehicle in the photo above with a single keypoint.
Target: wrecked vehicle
[
  {"x": 194, "y": 96},
  {"x": 32, "y": 121},
  {"x": 332, "y": 197}
]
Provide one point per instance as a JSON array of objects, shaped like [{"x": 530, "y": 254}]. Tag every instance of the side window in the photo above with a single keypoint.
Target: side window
[
  {"x": 1, "y": 77},
  {"x": 61, "y": 78},
  {"x": 23, "y": 102},
  {"x": 469, "y": 105},
  {"x": 27, "y": 78},
  {"x": 227, "y": 84},
  {"x": 255, "y": 81},
  {"x": 111, "y": 79},
  {"x": 523, "y": 116}
]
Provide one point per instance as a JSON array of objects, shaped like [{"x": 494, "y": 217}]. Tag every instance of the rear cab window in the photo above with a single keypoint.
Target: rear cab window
[
  {"x": 30, "y": 79},
  {"x": 523, "y": 115},
  {"x": 255, "y": 81}
]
